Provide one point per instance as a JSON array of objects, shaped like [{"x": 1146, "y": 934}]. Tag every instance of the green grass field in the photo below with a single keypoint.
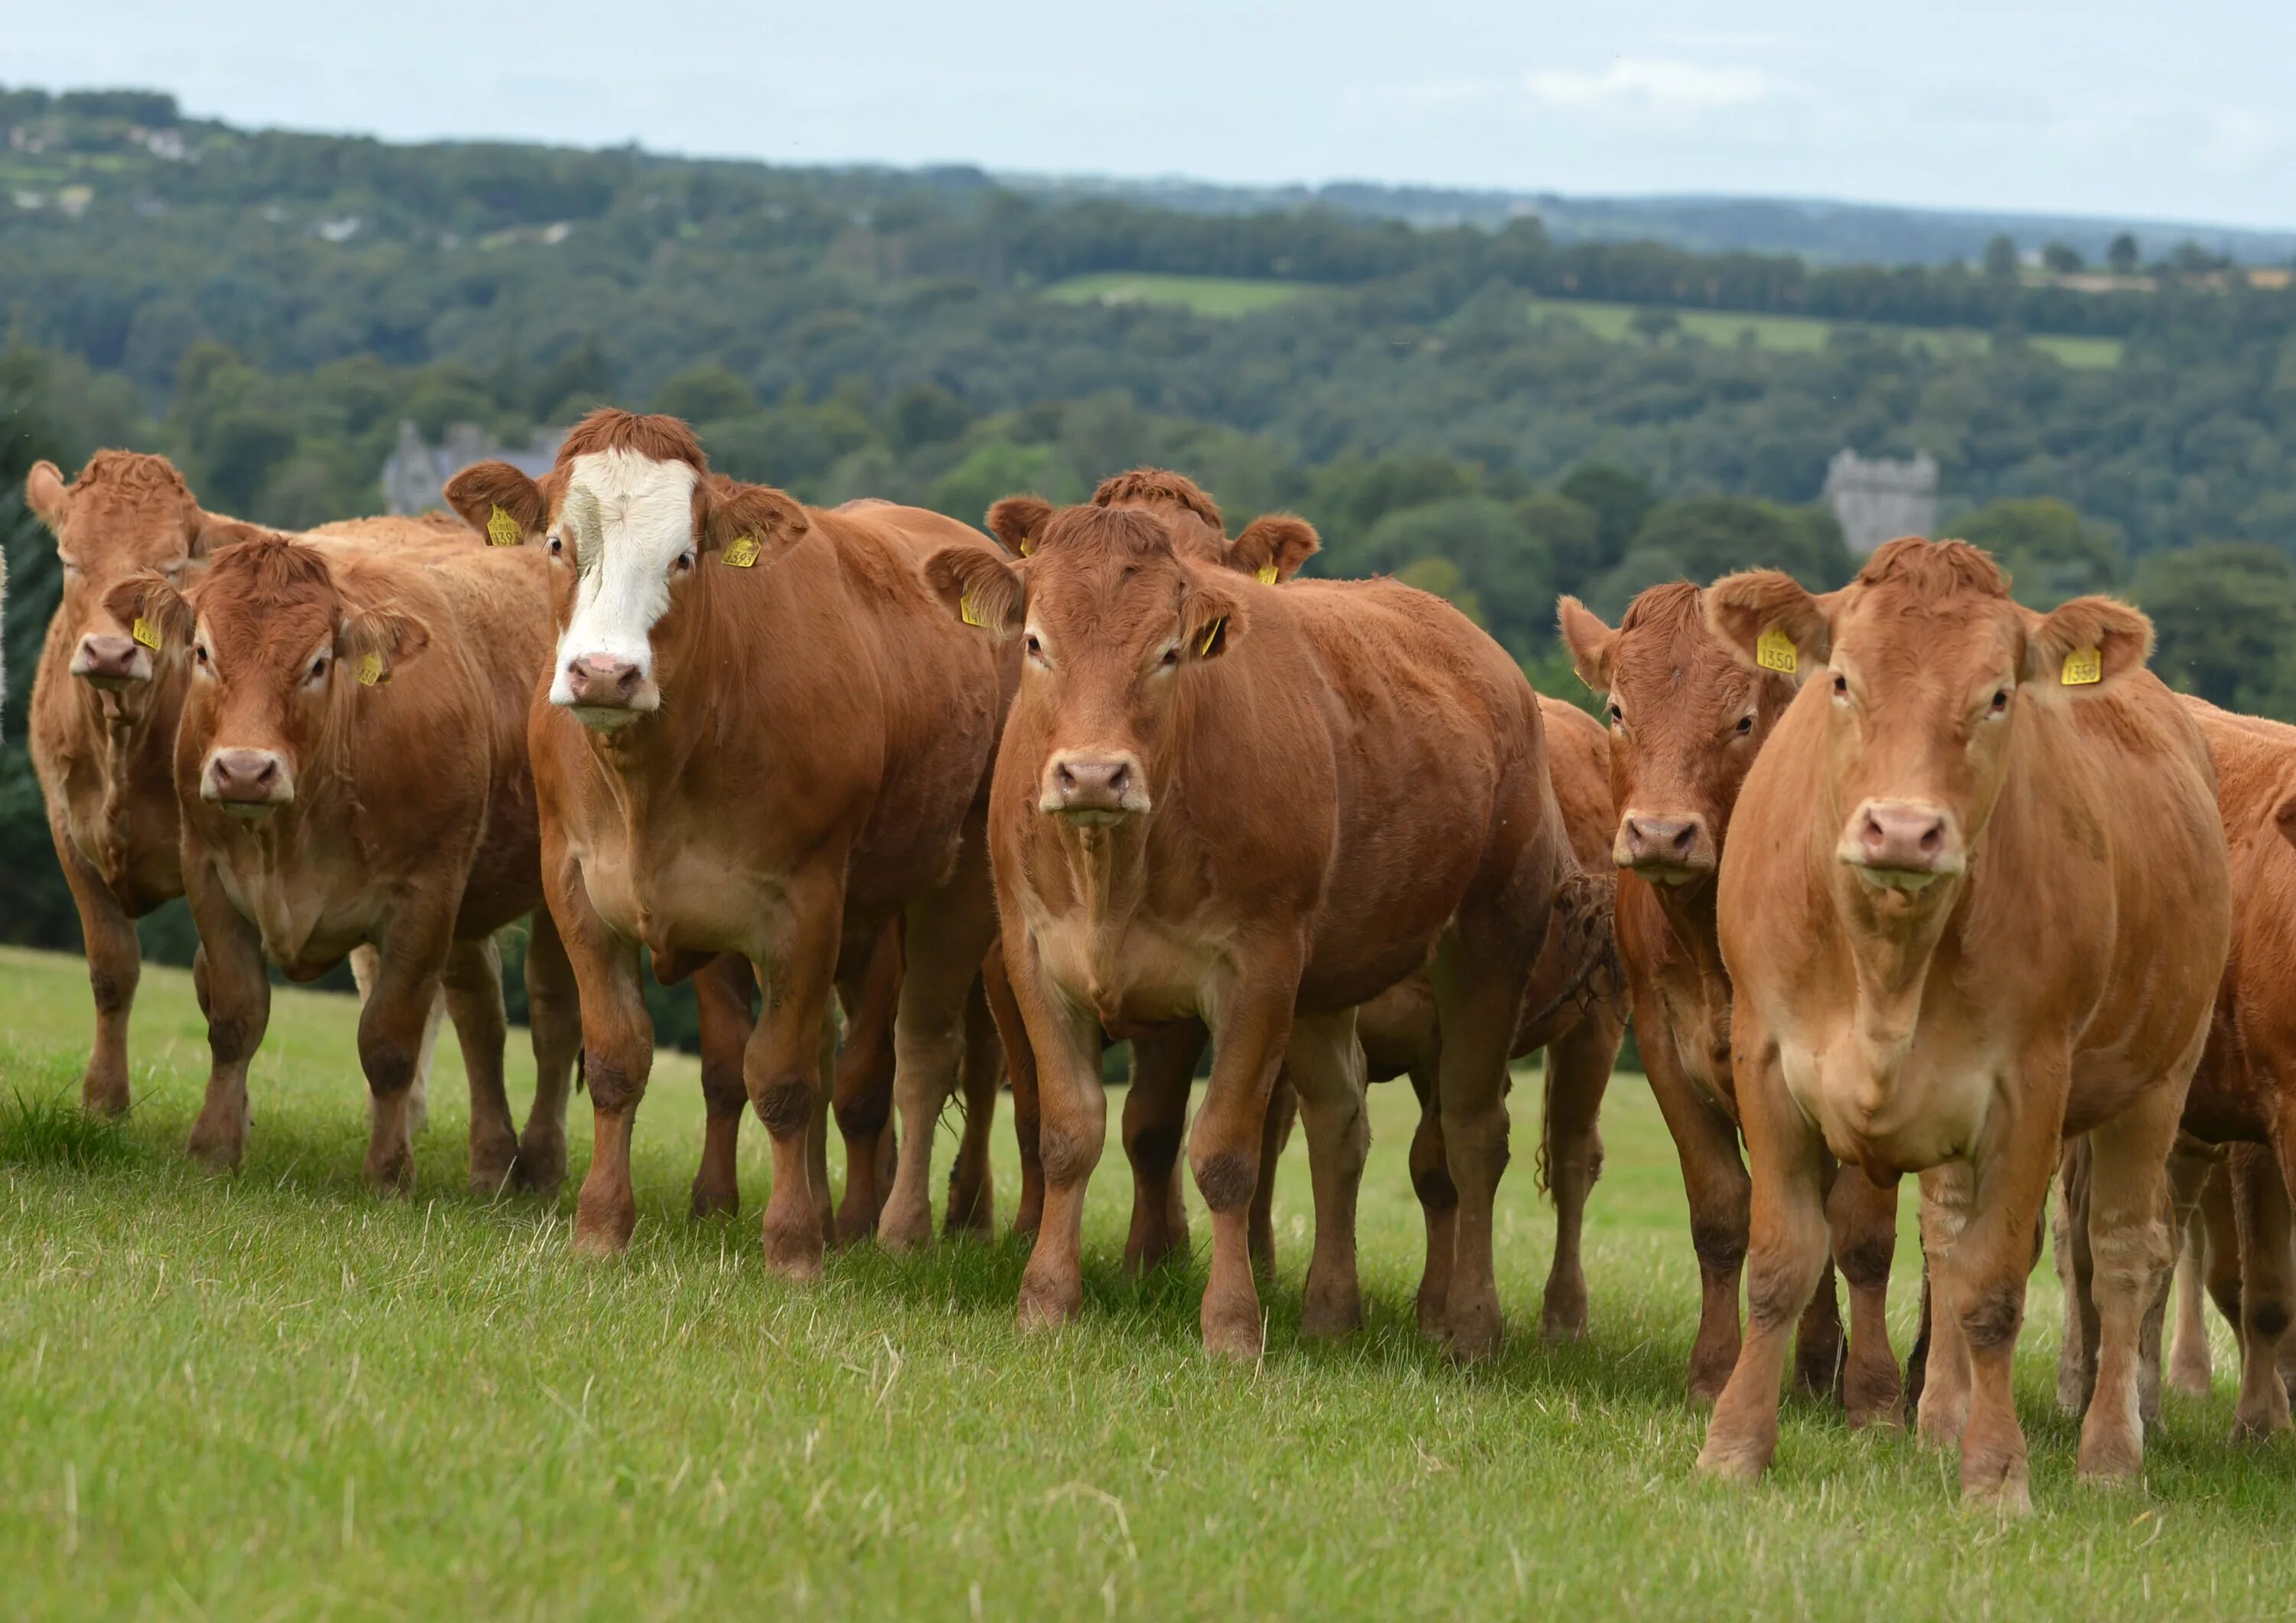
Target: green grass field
[
  {"x": 277, "y": 1396},
  {"x": 1205, "y": 295},
  {"x": 1613, "y": 323}
]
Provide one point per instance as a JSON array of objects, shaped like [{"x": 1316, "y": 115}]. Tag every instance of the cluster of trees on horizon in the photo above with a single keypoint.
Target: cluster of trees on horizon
[{"x": 266, "y": 308}]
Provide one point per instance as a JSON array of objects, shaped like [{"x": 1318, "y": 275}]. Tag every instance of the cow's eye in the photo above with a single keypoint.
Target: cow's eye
[
  {"x": 1171, "y": 657},
  {"x": 2000, "y": 706},
  {"x": 557, "y": 546},
  {"x": 1840, "y": 686},
  {"x": 318, "y": 670},
  {"x": 200, "y": 654},
  {"x": 685, "y": 562},
  {"x": 1617, "y": 716},
  {"x": 1745, "y": 725},
  {"x": 1036, "y": 649}
]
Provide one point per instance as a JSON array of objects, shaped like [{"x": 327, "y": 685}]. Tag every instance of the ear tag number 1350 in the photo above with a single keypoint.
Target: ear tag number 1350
[{"x": 1774, "y": 650}]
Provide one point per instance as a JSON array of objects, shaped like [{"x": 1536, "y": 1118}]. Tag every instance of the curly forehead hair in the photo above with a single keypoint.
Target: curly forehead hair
[
  {"x": 1934, "y": 569},
  {"x": 1160, "y": 484},
  {"x": 267, "y": 570},
  {"x": 1128, "y": 530},
  {"x": 657, "y": 439},
  {"x": 1675, "y": 607}
]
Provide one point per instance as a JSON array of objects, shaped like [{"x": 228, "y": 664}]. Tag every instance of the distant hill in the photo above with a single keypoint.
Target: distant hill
[{"x": 1822, "y": 232}]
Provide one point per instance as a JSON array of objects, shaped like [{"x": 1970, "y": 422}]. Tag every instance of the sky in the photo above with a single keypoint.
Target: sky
[{"x": 2107, "y": 107}]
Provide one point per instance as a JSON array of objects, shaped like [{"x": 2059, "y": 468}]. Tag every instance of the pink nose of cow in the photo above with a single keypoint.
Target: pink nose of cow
[
  {"x": 248, "y": 779},
  {"x": 1905, "y": 837},
  {"x": 108, "y": 661},
  {"x": 599, "y": 681},
  {"x": 1668, "y": 848},
  {"x": 1094, "y": 787}
]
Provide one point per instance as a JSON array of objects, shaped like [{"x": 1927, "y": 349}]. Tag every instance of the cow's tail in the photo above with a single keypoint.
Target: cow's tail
[{"x": 1584, "y": 936}]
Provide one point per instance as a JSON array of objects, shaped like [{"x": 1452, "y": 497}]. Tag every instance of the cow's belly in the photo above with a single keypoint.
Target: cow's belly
[
  {"x": 692, "y": 901},
  {"x": 1931, "y": 1107}
]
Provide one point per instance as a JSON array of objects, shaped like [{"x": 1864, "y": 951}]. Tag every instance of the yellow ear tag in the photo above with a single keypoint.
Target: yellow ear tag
[
  {"x": 1774, "y": 650},
  {"x": 502, "y": 529},
  {"x": 146, "y": 633},
  {"x": 742, "y": 552},
  {"x": 2084, "y": 666},
  {"x": 370, "y": 669},
  {"x": 1212, "y": 636},
  {"x": 967, "y": 613},
  {"x": 1027, "y": 545},
  {"x": 1267, "y": 573}
]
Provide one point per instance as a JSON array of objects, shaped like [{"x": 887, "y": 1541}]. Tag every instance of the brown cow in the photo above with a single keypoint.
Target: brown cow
[
  {"x": 1580, "y": 1032},
  {"x": 105, "y": 702},
  {"x": 1258, "y": 807},
  {"x": 2244, "y": 1094},
  {"x": 350, "y": 770},
  {"x": 759, "y": 737},
  {"x": 1976, "y": 900},
  {"x": 1686, "y": 722},
  {"x": 1164, "y": 1060}
]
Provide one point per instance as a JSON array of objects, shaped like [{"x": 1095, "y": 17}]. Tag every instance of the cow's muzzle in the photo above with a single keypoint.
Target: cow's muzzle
[
  {"x": 248, "y": 783},
  {"x": 1095, "y": 789},
  {"x": 1665, "y": 850},
  {"x": 110, "y": 663},
  {"x": 605, "y": 691},
  {"x": 1902, "y": 845}
]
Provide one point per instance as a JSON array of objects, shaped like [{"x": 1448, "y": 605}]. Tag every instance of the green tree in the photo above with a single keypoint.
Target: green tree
[
  {"x": 2223, "y": 618},
  {"x": 2061, "y": 258},
  {"x": 2050, "y": 552},
  {"x": 1502, "y": 565},
  {"x": 1570, "y": 533},
  {"x": 2001, "y": 258},
  {"x": 1653, "y": 323},
  {"x": 2121, "y": 257},
  {"x": 706, "y": 393},
  {"x": 1442, "y": 577}
]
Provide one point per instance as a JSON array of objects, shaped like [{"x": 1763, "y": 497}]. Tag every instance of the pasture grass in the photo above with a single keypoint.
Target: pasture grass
[
  {"x": 277, "y": 1395},
  {"x": 1205, "y": 295},
  {"x": 1805, "y": 334}
]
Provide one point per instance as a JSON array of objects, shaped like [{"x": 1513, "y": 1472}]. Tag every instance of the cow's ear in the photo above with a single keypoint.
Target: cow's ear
[
  {"x": 1771, "y": 622},
  {"x": 212, "y": 532},
  {"x": 2087, "y": 641},
  {"x": 372, "y": 643},
  {"x": 155, "y": 614},
  {"x": 1275, "y": 547},
  {"x": 2283, "y": 817},
  {"x": 979, "y": 587},
  {"x": 747, "y": 524},
  {"x": 45, "y": 494},
  {"x": 1591, "y": 642},
  {"x": 499, "y": 502},
  {"x": 1211, "y": 619},
  {"x": 1017, "y": 521}
]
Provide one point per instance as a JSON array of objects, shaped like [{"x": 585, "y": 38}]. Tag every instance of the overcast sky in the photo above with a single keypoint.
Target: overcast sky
[{"x": 2101, "y": 107}]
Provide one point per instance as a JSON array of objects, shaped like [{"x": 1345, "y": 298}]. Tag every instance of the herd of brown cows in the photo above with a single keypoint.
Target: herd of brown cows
[{"x": 1902, "y": 877}]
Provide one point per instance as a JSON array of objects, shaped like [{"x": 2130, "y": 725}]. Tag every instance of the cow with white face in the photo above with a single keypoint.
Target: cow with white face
[{"x": 761, "y": 736}]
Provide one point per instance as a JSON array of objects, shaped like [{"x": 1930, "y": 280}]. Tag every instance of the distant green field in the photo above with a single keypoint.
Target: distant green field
[
  {"x": 279, "y": 1396},
  {"x": 1205, "y": 295},
  {"x": 1613, "y": 323}
]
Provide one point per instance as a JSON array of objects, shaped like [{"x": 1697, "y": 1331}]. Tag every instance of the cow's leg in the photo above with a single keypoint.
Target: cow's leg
[
  {"x": 2129, "y": 1241},
  {"x": 115, "y": 964},
  {"x": 366, "y": 962},
  {"x": 1478, "y": 994},
  {"x": 816, "y": 1130},
  {"x": 554, "y": 1013},
  {"x": 617, "y": 1057},
  {"x": 1578, "y": 1073},
  {"x": 414, "y": 955},
  {"x": 1020, "y": 1068},
  {"x": 1439, "y": 1200},
  {"x": 1155, "y": 1126},
  {"x": 971, "y": 1182},
  {"x": 783, "y": 1069},
  {"x": 1065, "y": 1045},
  {"x": 1274, "y": 1134},
  {"x": 722, "y": 989},
  {"x": 1864, "y": 1218},
  {"x": 863, "y": 1093},
  {"x": 471, "y": 988},
  {"x": 944, "y": 937},
  {"x": 1786, "y": 1254},
  {"x": 2076, "y": 1272},
  {"x": 1714, "y": 1178},
  {"x": 2187, "y": 1367},
  {"x": 2186, "y": 1172},
  {"x": 2267, "y": 1294},
  {"x": 238, "y": 1009},
  {"x": 1253, "y": 1027},
  {"x": 1327, "y": 1069}
]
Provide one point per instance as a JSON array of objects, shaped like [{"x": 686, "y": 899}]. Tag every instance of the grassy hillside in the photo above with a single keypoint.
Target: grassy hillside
[
  {"x": 1205, "y": 295},
  {"x": 279, "y": 1396},
  {"x": 1805, "y": 334}
]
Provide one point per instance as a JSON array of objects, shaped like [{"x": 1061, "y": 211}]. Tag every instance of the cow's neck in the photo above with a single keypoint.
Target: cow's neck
[
  {"x": 1893, "y": 938},
  {"x": 1691, "y": 914},
  {"x": 135, "y": 735}
]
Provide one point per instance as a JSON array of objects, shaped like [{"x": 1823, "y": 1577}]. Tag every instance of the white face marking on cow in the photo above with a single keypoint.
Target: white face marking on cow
[{"x": 631, "y": 519}]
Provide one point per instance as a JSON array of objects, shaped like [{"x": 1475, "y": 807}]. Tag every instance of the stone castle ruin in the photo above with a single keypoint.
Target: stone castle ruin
[
  {"x": 414, "y": 472},
  {"x": 1878, "y": 500}
]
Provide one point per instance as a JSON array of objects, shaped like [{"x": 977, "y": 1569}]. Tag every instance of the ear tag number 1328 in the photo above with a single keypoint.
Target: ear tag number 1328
[{"x": 1774, "y": 650}]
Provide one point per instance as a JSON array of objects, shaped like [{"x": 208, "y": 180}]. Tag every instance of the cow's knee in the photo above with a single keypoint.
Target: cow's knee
[
  {"x": 1226, "y": 1180},
  {"x": 785, "y": 1105},
  {"x": 1990, "y": 1322},
  {"x": 1720, "y": 1245}
]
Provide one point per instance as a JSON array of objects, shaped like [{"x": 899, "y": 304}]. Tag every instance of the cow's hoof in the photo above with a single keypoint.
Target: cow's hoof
[
  {"x": 602, "y": 1230},
  {"x": 1233, "y": 1333},
  {"x": 1722, "y": 1461},
  {"x": 1471, "y": 1327},
  {"x": 2108, "y": 1460},
  {"x": 1331, "y": 1312},
  {"x": 1562, "y": 1313},
  {"x": 2251, "y": 1427},
  {"x": 540, "y": 1168},
  {"x": 905, "y": 1225},
  {"x": 712, "y": 1200},
  {"x": 794, "y": 1253},
  {"x": 2006, "y": 1495},
  {"x": 106, "y": 1097},
  {"x": 1047, "y": 1303}
]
